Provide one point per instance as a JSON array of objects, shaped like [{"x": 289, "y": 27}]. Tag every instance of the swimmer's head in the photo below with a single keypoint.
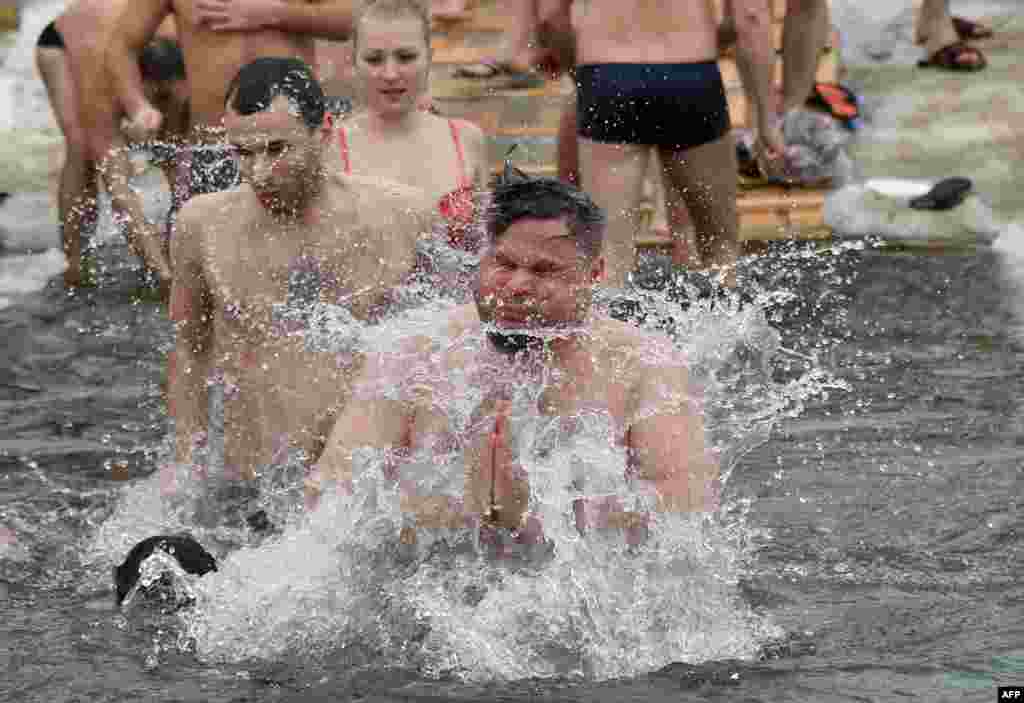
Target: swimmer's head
[
  {"x": 391, "y": 40},
  {"x": 275, "y": 121},
  {"x": 163, "y": 80},
  {"x": 256, "y": 84},
  {"x": 543, "y": 257}
]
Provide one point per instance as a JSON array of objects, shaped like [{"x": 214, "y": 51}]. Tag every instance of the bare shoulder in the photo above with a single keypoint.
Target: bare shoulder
[
  {"x": 643, "y": 354},
  {"x": 200, "y": 210},
  {"x": 223, "y": 212}
]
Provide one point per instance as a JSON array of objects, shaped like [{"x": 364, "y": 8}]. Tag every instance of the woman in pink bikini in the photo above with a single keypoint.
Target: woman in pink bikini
[{"x": 391, "y": 139}]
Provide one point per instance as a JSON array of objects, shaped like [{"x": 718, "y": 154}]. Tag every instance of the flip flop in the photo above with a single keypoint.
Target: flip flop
[
  {"x": 496, "y": 72},
  {"x": 967, "y": 29},
  {"x": 838, "y": 101},
  {"x": 950, "y": 58},
  {"x": 944, "y": 195}
]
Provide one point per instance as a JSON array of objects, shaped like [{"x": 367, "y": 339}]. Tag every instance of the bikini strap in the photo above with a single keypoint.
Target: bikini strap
[
  {"x": 343, "y": 145},
  {"x": 464, "y": 181}
]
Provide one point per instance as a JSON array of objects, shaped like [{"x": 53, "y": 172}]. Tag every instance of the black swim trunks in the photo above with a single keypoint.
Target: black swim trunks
[
  {"x": 671, "y": 105},
  {"x": 50, "y": 37}
]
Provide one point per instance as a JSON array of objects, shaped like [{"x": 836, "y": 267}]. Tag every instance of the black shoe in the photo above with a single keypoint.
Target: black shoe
[
  {"x": 189, "y": 554},
  {"x": 944, "y": 195}
]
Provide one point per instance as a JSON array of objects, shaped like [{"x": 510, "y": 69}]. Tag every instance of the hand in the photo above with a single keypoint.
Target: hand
[
  {"x": 236, "y": 15},
  {"x": 770, "y": 152},
  {"x": 143, "y": 125},
  {"x": 503, "y": 479}
]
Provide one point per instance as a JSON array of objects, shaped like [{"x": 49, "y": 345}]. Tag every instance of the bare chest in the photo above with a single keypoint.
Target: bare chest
[
  {"x": 430, "y": 163},
  {"x": 279, "y": 285},
  {"x": 461, "y": 406}
]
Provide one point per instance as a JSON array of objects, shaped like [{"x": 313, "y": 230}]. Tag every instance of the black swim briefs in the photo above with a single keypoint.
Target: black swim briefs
[
  {"x": 50, "y": 37},
  {"x": 671, "y": 105}
]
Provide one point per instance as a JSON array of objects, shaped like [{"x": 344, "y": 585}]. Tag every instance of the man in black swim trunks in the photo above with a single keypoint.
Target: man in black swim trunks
[
  {"x": 71, "y": 58},
  {"x": 646, "y": 76}
]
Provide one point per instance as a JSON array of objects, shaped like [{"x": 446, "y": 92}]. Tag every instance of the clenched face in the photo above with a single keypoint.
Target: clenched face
[
  {"x": 536, "y": 278},
  {"x": 279, "y": 155}
]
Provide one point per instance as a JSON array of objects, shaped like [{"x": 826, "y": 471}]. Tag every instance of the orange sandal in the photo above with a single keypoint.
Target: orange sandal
[{"x": 837, "y": 100}]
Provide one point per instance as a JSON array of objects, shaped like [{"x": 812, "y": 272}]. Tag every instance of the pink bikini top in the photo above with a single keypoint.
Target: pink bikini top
[{"x": 457, "y": 207}]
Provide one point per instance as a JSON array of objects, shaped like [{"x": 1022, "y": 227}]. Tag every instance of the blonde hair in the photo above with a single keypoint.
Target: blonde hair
[{"x": 392, "y": 9}]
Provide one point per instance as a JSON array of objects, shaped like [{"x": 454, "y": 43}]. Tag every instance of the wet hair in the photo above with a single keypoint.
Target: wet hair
[
  {"x": 259, "y": 82},
  {"x": 515, "y": 196},
  {"x": 392, "y": 9},
  {"x": 162, "y": 60}
]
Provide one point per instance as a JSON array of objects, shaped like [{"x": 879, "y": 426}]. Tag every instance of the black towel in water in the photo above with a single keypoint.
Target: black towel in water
[{"x": 191, "y": 555}]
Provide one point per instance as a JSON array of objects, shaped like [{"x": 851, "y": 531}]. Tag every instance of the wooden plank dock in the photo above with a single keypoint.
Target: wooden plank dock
[
  {"x": 529, "y": 118},
  {"x": 8, "y": 15}
]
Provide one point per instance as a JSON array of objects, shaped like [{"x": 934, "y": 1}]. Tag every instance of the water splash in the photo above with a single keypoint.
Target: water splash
[{"x": 340, "y": 584}]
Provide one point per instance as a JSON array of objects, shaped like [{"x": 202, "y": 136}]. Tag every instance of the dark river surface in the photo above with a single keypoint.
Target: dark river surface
[{"x": 880, "y": 539}]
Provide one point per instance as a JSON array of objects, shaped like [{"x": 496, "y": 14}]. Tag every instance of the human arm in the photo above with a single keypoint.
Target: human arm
[
  {"x": 555, "y": 33},
  {"x": 144, "y": 237},
  {"x": 326, "y": 19},
  {"x": 191, "y": 312},
  {"x": 666, "y": 442},
  {"x": 372, "y": 422},
  {"x": 136, "y": 26}
]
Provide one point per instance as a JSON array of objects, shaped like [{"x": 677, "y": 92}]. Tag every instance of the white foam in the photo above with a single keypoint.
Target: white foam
[
  {"x": 24, "y": 274},
  {"x": 859, "y": 211}
]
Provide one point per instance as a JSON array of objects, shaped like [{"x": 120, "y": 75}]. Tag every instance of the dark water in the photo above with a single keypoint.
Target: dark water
[{"x": 883, "y": 523}]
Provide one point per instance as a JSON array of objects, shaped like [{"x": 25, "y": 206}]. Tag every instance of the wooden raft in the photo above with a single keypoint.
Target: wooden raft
[
  {"x": 529, "y": 119},
  {"x": 8, "y": 15}
]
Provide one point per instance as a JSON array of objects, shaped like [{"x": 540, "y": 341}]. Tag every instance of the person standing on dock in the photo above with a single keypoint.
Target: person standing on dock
[
  {"x": 646, "y": 75},
  {"x": 70, "y": 56},
  {"x": 214, "y": 51}
]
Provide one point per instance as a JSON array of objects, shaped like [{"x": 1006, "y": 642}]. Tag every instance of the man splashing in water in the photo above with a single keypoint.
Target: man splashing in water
[{"x": 532, "y": 333}]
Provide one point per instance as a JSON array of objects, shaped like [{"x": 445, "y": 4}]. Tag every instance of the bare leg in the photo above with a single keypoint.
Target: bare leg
[
  {"x": 568, "y": 145},
  {"x": 704, "y": 180},
  {"x": 613, "y": 176},
  {"x": 935, "y": 26},
  {"x": 804, "y": 35},
  {"x": 76, "y": 202},
  {"x": 935, "y": 31},
  {"x": 516, "y": 44}
]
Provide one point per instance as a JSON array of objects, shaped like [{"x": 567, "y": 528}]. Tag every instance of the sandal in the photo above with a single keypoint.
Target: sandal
[
  {"x": 968, "y": 30},
  {"x": 837, "y": 100},
  {"x": 951, "y": 57},
  {"x": 498, "y": 72}
]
